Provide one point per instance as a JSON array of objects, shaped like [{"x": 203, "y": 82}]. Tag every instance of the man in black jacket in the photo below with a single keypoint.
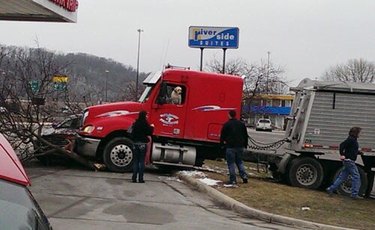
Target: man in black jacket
[
  {"x": 348, "y": 155},
  {"x": 234, "y": 138}
]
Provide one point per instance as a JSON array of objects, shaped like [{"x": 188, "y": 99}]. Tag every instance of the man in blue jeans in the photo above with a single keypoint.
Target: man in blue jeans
[
  {"x": 234, "y": 137},
  {"x": 348, "y": 155}
]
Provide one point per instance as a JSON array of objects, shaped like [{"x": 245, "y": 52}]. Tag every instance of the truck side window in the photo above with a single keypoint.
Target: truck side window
[{"x": 176, "y": 94}]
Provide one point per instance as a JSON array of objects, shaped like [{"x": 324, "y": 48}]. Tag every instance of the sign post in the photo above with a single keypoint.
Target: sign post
[{"x": 213, "y": 38}]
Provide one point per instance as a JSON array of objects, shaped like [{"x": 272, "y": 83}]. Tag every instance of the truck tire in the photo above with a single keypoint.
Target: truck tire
[
  {"x": 346, "y": 186},
  {"x": 305, "y": 172},
  {"x": 118, "y": 155},
  {"x": 199, "y": 162}
]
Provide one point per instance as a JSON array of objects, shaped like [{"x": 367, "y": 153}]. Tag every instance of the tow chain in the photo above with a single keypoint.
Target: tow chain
[{"x": 253, "y": 144}]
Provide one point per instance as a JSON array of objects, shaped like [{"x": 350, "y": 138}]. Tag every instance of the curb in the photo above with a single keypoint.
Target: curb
[{"x": 251, "y": 212}]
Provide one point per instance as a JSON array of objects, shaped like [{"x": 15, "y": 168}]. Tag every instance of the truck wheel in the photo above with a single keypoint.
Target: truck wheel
[
  {"x": 199, "y": 162},
  {"x": 305, "y": 172},
  {"x": 118, "y": 155},
  {"x": 346, "y": 187}
]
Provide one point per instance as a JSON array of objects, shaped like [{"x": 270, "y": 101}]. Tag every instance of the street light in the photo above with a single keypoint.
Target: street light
[
  {"x": 139, "y": 47},
  {"x": 268, "y": 69},
  {"x": 106, "y": 79}
]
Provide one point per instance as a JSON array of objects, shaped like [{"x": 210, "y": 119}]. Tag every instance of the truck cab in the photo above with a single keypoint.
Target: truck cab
[{"x": 187, "y": 109}]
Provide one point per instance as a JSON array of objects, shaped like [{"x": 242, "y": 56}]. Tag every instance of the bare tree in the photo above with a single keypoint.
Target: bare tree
[
  {"x": 263, "y": 78},
  {"x": 355, "y": 70},
  {"x": 27, "y": 91},
  {"x": 233, "y": 67}
]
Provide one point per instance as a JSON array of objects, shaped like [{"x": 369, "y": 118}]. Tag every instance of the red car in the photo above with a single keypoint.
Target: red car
[{"x": 19, "y": 209}]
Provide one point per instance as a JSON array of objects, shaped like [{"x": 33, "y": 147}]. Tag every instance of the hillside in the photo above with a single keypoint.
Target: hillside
[{"x": 87, "y": 73}]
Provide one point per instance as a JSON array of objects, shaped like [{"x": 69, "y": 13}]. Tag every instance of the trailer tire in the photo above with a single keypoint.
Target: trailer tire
[
  {"x": 305, "y": 172},
  {"x": 118, "y": 155},
  {"x": 345, "y": 187}
]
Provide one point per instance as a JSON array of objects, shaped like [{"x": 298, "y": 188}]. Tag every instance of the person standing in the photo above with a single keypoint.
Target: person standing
[
  {"x": 141, "y": 129},
  {"x": 234, "y": 138},
  {"x": 349, "y": 150}
]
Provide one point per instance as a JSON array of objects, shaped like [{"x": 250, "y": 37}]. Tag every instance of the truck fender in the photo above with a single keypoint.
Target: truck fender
[{"x": 282, "y": 165}]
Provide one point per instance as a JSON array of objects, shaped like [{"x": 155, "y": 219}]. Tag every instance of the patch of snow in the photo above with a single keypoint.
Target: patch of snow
[
  {"x": 170, "y": 179},
  {"x": 209, "y": 182},
  {"x": 193, "y": 173},
  {"x": 230, "y": 186},
  {"x": 47, "y": 131},
  {"x": 305, "y": 208}
]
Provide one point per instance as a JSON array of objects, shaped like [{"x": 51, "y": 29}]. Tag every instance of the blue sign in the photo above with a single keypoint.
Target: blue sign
[{"x": 213, "y": 37}]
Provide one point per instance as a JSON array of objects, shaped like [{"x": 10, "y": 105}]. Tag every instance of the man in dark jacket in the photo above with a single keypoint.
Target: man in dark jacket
[
  {"x": 234, "y": 138},
  {"x": 348, "y": 155}
]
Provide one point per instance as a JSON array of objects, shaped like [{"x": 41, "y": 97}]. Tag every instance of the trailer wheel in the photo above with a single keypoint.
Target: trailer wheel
[
  {"x": 305, "y": 172},
  {"x": 118, "y": 155},
  {"x": 346, "y": 187}
]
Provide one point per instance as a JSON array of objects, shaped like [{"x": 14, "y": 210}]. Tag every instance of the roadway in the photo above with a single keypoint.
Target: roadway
[{"x": 75, "y": 198}]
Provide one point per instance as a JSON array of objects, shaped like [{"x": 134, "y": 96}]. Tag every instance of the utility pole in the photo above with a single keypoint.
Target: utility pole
[
  {"x": 268, "y": 70},
  {"x": 139, "y": 48},
  {"x": 106, "y": 80}
]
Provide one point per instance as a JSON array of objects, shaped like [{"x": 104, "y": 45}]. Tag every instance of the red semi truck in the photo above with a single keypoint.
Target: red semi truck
[{"x": 184, "y": 135}]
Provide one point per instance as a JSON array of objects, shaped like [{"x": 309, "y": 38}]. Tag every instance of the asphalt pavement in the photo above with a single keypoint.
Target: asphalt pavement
[{"x": 75, "y": 198}]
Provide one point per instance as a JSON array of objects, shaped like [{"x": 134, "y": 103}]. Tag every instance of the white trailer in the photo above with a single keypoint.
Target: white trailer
[{"x": 321, "y": 116}]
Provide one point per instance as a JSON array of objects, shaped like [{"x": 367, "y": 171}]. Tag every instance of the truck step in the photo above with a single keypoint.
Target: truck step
[{"x": 172, "y": 164}]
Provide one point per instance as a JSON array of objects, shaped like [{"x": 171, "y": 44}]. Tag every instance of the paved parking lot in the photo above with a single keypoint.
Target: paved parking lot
[{"x": 75, "y": 198}]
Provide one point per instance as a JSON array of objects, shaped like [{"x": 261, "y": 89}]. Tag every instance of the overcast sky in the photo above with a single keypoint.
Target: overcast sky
[{"x": 305, "y": 37}]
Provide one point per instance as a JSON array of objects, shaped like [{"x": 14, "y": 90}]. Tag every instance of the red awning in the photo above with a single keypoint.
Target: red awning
[
  {"x": 11, "y": 168},
  {"x": 39, "y": 10}
]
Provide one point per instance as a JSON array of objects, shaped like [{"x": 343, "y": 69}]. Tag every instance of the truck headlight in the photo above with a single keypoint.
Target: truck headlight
[{"x": 88, "y": 129}]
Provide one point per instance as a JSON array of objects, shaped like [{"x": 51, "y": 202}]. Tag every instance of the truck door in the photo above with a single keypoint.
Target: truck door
[{"x": 169, "y": 110}]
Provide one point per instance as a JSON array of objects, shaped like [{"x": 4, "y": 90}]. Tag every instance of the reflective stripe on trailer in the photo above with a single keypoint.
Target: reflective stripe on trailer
[{"x": 332, "y": 147}]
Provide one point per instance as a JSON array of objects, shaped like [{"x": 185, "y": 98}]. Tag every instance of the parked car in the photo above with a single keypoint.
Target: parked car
[
  {"x": 264, "y": 125},
  {"x": 19, "y": 209},
  {"x": 59, "y": 134}
]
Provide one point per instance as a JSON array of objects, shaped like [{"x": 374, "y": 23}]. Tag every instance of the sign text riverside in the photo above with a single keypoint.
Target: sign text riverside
[{"x": 213, "y": 37}]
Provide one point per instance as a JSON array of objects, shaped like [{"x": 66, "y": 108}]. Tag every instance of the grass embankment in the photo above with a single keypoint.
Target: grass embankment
[{"x": 316, "y": 206}]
